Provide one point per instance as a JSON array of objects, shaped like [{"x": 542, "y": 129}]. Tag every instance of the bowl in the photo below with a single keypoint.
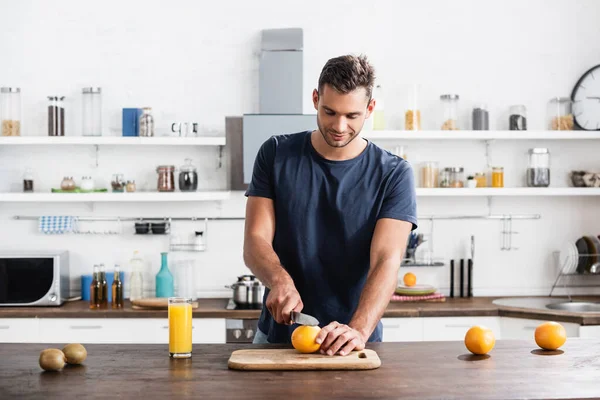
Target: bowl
[{"x": 159, "y": 228}]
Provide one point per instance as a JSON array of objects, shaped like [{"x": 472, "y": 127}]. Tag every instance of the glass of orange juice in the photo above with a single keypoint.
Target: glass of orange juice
[{"x": 180, "y": 327}]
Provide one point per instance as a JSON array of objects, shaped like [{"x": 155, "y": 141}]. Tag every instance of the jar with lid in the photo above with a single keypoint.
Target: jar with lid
[
  {"x": 412, "y": 113},
  {"x": 517, "y": 121},
  {"x": 130, "y": 187},
  {"x": 538, "y": 169},
  {"x": 560, "y": 114},
  {"x": 67, "y": 184},
  {"x": 166, "y": 178},
  {"x": 497, "y": 177},
  {"x": 117, "y": 183},
  {"x": 378, "y": 113},
  {"x": 56, "y": 116},
  {"x": 449, "y": 112},
  {"x": 91, "y": 103},
  {"x": 11, "y": 111},
  {"x": 481, "y": 118},
  {"x": 481, "y": 179},
  {"x": 429, "y": 174},
  {"x": 87, "y": 184},
  {"x": 188, "y": 177},
  {"x": 457, "y": 177},
  {"x": 146, "y": 122}
]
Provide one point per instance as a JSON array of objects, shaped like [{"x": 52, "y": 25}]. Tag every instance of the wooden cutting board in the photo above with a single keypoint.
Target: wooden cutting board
[
  {"x": 155, "y": 303},
  {"x": 292, "y": 360}
]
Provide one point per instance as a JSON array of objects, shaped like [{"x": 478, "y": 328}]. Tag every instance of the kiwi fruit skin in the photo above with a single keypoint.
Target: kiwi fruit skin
[
  {"x": 75, "y": 353},
  {"x": 52, "y": 360}
]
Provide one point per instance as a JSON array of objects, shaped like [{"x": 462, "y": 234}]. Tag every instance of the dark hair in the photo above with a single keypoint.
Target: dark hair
[{"x": 347, "y": 73}]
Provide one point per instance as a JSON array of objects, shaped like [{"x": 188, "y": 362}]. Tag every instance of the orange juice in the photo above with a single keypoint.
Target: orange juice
[{"x": 180, "y": 327}]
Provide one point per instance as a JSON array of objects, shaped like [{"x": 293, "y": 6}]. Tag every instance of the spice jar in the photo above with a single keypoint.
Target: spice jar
[
  {"x": 481, "y": 179},
  {"x": 146, "y": 122},
  {"x": 11, "y": 111},
  {"x": 166, "y": 178},
  {"x": 560, "y": 114},
  {"x": 518, "y": 118},
  {"x": 67, "y": 184},
  {"x": 429, "y": 174},
  {"x": 449, "y": 112},
  {"x": 117, "y": 183},
  {"x": 130, "y": 187},
  {"x": 56, "y": 116},
  {"x": 538, "y": 169},
  {"x": 91, "y": 103},
  {"x": 188, "y": 177},
  {"x": 497, "y": 177},
  {"x": 481, "y": 118}
]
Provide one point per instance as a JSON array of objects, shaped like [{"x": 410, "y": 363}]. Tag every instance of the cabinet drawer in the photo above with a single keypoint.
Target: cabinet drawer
[
  {"x": 85, "y": 330},
  {"x": 402, "y": 329},
  {"x": 522, "y": 328},
  {"x": 204, "y": 330},
  {"x": 455, "y": 328},
  {"x": 19, "y": 330}
]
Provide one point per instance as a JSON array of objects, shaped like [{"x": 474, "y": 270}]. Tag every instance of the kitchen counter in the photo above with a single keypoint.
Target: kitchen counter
[
  {"x": 215, "y": 308},
  {"x": 426, "y": 370}
]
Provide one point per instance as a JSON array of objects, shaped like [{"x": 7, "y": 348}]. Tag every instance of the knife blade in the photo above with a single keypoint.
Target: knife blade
[{"x": 303, "y": 319}]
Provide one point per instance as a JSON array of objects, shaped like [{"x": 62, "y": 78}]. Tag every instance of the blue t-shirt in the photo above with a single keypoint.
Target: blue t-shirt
[{"x": 325, "y": 216}]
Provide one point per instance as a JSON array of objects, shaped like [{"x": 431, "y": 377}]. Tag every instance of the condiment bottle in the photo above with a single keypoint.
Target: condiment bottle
[
  {"x": 95, "y": 289},
  {"x": 117, "y": 289},
  {"x": 103, "y": 298}
]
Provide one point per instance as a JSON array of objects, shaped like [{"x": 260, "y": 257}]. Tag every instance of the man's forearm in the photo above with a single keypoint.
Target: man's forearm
[
  {"x": 262, "y": 260},
  {"x": 380, "y": 285}
]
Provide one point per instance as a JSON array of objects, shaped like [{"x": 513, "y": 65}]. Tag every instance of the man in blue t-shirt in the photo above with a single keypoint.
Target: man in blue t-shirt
[{"x": 327, "y": 218}]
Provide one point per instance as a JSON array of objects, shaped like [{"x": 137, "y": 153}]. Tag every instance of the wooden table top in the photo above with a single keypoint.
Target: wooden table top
[{"x": 423, "y": 370}]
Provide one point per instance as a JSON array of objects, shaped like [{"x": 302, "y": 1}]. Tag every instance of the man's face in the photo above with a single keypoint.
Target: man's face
[{"x": 340, "y": 117}]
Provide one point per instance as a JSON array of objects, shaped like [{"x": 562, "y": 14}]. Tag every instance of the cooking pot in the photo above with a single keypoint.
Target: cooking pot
[{"x": 248, "y": 292}]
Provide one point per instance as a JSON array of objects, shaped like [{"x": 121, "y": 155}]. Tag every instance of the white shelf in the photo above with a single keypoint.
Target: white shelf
[
  {"x": 114, "y": 140},
  {"x": 466, "y": 192},
  {"x": 481, "y": 135},
  {"x": 136, "y": 197}
]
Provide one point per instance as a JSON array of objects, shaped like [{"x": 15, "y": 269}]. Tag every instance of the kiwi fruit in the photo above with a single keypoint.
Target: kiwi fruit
[
  {"x": 75, "y": 353},
  {"x": 52, "y": 360}
]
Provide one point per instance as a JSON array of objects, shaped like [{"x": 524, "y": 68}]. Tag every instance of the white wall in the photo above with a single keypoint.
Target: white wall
[{"x": 198, "y": 61}]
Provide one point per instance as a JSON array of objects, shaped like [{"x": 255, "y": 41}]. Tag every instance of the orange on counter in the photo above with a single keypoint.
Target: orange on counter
[
  {"x": 303, "y": 338},
  {"x": 480, "y": 340},
  {"x": 410, "y": 279},
  {"x": 550, "y": 335}
]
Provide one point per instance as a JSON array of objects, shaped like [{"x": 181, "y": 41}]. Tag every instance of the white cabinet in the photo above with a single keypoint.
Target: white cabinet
[
  {"x": 455, "y": 328},
  {"x": 521, "y": 328},
  {"x": 19, "y": 330},
  {"x": 589, "y": 331},
  {"x": 402, "y": 329}
]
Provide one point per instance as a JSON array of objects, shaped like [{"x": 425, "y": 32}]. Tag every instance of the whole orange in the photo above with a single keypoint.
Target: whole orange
[
  {"x": 550, "y": 335},
  {"x": 410, "y": 279},
  {"x": 303, "y": 338},
  {"x": 480, "y": 339}
]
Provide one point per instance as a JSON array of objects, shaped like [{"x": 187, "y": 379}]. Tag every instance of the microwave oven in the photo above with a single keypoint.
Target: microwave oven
[{"x": 34, "y": 278}]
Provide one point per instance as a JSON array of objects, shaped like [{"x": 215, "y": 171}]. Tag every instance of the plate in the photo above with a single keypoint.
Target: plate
[
  {"x": 582, "y": 248},
  {"x": 417, "y": 290}
]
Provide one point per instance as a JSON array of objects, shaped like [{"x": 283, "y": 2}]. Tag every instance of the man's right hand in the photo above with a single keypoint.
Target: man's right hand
[{"x": 283, "y": 298}]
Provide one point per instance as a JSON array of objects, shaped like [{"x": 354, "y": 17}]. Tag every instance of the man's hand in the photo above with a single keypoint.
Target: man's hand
[
  {"x": 341, "y": 338},
  {"x": 282, "y": 300}
]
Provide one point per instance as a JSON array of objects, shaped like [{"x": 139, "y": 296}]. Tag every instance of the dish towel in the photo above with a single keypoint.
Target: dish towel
[
  {"x": 434, "y": 296},
  {"x": 56, "y": 224}
]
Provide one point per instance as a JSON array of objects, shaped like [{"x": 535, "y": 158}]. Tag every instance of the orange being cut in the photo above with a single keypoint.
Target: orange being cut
[
  {"x": 550, "y": 335},
  {"x": 303, "y": 338},
  {"x": 480, "y": 340},
  {"x": 410, "y": 279}
]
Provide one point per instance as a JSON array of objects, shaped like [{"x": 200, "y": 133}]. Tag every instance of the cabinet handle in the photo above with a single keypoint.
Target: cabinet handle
[
  {"x": 457, "y": 326},
  {"x": 392, "y": 326},
  {"x": 86, "y": 327},
  {"x": 4, "y": 326},
  {"x": 167, "y": 327}
]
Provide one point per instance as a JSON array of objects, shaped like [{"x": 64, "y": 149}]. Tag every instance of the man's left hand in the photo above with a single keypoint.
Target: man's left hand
[{"x": 340, "y": 338}]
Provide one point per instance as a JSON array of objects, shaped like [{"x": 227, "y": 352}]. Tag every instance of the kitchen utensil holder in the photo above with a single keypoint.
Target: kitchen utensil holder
[
  {"x": 566, "y": 278},
  {"x": 194, "y": 246}
]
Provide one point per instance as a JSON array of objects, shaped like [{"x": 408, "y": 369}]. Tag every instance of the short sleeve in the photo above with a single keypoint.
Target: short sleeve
[
  {"x": 400, "y": 198},
  {"x": 262, "y": 184}
]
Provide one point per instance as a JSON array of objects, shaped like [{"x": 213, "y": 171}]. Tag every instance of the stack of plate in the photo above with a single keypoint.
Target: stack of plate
[
  {"x": 416, "y": 290},
  {"x": 568, "y": 258}
]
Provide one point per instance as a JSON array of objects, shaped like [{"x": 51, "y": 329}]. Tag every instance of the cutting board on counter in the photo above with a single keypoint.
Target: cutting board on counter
[
  {"x": 292, "y": 360},
  {"x": 154, "y": 303}
]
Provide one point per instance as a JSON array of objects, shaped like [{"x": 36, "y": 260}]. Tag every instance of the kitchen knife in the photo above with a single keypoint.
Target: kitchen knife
[{"x": 303, "y": 319}]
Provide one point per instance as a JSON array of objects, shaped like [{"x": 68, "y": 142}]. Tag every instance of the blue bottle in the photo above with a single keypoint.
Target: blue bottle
[{"x": 164, "y": 279}]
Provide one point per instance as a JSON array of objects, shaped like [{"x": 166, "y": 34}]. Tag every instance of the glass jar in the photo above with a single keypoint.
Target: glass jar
[
  {"x": 560, "y": 114},
  {"x": 481, "y": 179},
  {"x": 11, "y": 111},
  {"x": 517, "y": 121},
  {"x": 538, "y": 168},
  {"x": 91, "y": 104},
  {"x": 146, "y": 122},
  {"x": 188, "y": 177},
  {"x": 412, "y": 114},
  {"x": 67, "y": 184},
  {"x": 28, "y": 181},
  {"x": 445, "y": 178},
  {"x": 457, "y": 177},
  {"x": 497, "y": 177},
  {"x": 449, "y": 112},
  {"x": 117, "y": 183},
  {"x": 378, "y": 112},
  {"x": 130, "y": 187},
  {"x": 166, "y": 178},
  {"x": 429, "y": 174},
  {"x": 87, "y": 184},
  {"x": 56, "y": 116},
  {"x": 400, "y": 151},
  {"x": 481, "y": 118}
]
